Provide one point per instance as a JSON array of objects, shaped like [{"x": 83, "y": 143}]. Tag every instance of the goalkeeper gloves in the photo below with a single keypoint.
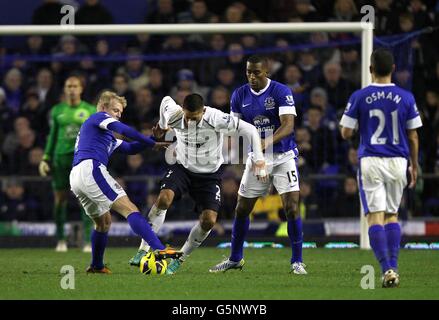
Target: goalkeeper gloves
[{"x": 44, "y": 168}]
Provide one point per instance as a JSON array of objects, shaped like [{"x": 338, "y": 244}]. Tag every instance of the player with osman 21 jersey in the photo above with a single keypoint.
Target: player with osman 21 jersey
[
  {"x": 387, "y": 118},
  {"x": 269, "y": 105}
]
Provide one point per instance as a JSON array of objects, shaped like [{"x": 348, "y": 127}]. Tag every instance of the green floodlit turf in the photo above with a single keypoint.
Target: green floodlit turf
[{"x": 333, "y": 274}]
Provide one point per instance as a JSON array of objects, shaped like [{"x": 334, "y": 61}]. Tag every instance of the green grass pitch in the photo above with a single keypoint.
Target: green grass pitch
[{"x": 333, "y": 274}]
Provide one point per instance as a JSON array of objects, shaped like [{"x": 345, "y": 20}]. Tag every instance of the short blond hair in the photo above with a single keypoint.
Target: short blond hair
[{"x": 107, "y": 97}]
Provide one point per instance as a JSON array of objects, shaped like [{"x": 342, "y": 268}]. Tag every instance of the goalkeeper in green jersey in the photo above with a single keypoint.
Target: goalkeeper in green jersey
[{"x": 65, "y": 121}]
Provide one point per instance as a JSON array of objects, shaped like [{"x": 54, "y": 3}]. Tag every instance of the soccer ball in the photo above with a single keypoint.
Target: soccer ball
[{"x": 149, "y": 265}]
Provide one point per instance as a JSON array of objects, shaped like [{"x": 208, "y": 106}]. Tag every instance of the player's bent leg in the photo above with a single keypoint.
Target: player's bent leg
[
  {"x": 60, "y": 213},
  {"x": 165, "y": 198},
  {"x": 137, "y": 222},
  {"x": 198, "y": 234},
  {"x": 290, "y": 201},
  {"x": 157, "y": 213},
  {"x": 99, "y": 238},
  {"x": 208, "y": 219},
  {"x": 156, "y": 218},
  {"x": 141, "y": 227},
  {"x": 103, "y": 222},
  {"x": 124, "y": 206}
]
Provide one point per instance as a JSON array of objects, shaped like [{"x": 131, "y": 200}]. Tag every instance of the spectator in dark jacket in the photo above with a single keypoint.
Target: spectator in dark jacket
[
  {"x": 92, "y": 12},
  {"x": 48, "y": 13},
  {"x": 347, "y": 202},
  {"x": 15, "y": 204}
]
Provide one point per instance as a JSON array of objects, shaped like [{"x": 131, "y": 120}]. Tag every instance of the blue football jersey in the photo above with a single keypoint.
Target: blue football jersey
[
  {"x": 383, "y": 113},
  {"x": 94, "y": 140},
  {"x": 263, "y": 110}
]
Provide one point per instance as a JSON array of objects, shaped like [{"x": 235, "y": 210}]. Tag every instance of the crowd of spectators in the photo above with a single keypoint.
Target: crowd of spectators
[{"x": 321, "y": 80}]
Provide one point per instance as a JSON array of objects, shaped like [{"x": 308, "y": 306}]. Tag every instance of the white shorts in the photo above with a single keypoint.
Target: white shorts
[
  {"x": 283, "y": 175},
  {"x": 95, "y": 189},
  {"x": 381, "y": 183}
]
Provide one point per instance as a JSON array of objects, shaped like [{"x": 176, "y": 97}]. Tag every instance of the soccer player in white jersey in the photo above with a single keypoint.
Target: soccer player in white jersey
[
  {"x": 269, "y": 105},
  {"x": 199, "y": 131},
  {"x": 96, "y": 190},
  {"x": 386, "y": 118}
]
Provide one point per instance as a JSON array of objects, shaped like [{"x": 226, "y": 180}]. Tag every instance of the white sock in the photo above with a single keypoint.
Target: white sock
[
  {"x": 156, "y": 217},
  {"x": 196, "y": 237}
]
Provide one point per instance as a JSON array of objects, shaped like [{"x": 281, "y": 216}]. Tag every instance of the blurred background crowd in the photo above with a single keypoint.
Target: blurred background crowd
[{"x": 144, "y": 68}]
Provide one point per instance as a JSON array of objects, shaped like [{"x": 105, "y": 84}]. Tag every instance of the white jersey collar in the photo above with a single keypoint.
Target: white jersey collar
[
  {"x": 382, "y": 84},
  {"x": 263, "y": 90}
]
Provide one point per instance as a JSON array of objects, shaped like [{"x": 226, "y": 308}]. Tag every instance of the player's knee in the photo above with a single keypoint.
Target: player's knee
[
  {"x": 124, "y": 206},
  {"x": 164, "y": 199},
  {"x": 390, "y": 218},
  {"x": 292, "y": 210},
  {"x": 242, "y": 210},
  {"x": 208, "y": 220},
  {"x": 131, "y": 207},
  {"x": 103, "y": 225}
]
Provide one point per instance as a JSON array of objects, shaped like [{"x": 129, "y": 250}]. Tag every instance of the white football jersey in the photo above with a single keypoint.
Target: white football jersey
[{"x": 199, "y": 145}]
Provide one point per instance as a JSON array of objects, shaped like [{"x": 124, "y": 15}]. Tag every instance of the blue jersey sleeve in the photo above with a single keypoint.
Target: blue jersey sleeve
[
  {"x": 129, "y": 132},
  {"x": 235, "y": 103},
  {"x": 285, "y": 101},
  {"x": 351, "y": 113},
  {"x": 130, "y": 147},
  {"x": 413, "y": 119},
  {"x": 99, "y": 117}
]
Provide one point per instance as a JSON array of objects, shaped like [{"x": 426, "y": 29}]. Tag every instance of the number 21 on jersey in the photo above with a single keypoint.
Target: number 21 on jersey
[{"x": 376, "y": 139}]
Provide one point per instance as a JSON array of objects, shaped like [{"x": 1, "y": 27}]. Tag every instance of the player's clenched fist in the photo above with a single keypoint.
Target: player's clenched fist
[{"x": 43, "y": 168}]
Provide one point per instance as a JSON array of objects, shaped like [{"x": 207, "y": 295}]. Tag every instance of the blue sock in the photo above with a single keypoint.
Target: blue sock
[
  {"x": 239, "y": 232},
  {"x": 393, "y": 234},
  {"x": 296, "y": 238},
  {"x": 378, "y": 242},
  {"x": 98, "y": 244},
  {"x": 141, "y": 227}
]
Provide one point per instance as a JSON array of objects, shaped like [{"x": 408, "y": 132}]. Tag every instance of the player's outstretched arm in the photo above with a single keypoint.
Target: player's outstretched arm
[
  {"x": 131, "y": 147},
  {"x": 136, "y": 147},
  {"x": 130, "y": 133}
]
